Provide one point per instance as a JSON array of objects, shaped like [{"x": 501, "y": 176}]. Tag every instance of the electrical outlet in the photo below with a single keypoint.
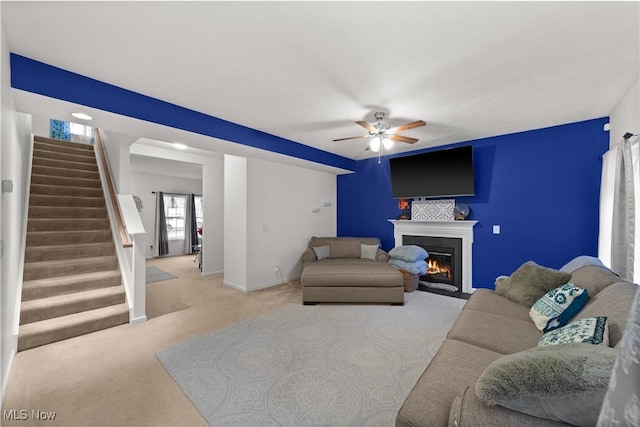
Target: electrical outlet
[{"x": 277, "y": 270}]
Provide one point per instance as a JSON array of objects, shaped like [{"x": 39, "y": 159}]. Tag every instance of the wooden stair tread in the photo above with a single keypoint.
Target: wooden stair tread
[
  {"x": 70, "y": 261},
  {"x": 54, "y": 141},
  {"x": 51, "y": 330},
  {"x": 52, "y": 281},
  {"x": 75, "y": 318},
  {"x": 62, "y": 285},
  {"x": 72, "y": 298}
]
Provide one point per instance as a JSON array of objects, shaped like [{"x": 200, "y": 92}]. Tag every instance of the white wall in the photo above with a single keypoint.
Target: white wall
[
  {"x": 625, "y": 117},
  {"x": 213, "y": 210},
  {"x": 276, "y": 226},
  {"x": 280, "y": 220},
  {"x": 235, "y": 222},
  {"x": 143, "y": 183},
  {"x": 15, "y": 144},
  {"x": 40, "y": 125},
  {"x": 117, "y": 146}
]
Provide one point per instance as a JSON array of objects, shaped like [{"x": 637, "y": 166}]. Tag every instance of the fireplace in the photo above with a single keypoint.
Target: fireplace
[
  {"x": 444, "y": 264},
  {"x": 447, "y": 242}
]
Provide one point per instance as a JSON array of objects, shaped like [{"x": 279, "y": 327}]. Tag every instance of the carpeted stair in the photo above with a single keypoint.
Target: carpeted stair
[{"x": 72, "y": 283}]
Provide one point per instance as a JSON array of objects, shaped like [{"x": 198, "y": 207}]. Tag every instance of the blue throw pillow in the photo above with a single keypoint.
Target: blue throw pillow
[
  {"x": 555, "y": 308},
  {"x": 410, "y": 253}
]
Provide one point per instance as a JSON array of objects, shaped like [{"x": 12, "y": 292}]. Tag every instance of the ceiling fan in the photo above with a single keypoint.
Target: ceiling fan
[{"x": 383, "y": 135}]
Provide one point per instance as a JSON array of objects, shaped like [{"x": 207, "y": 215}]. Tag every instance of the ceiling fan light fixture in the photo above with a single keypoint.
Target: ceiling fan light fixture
[
  {"x": 388, "y": 143},
  {"x": 374, "y": 145}
]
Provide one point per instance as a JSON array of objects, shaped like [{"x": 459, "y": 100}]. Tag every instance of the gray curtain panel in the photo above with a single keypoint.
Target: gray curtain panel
[
  {"x": 621, "y": 406},
  {"x": 623, "y": 227},
  {"x": 162, "y": 239},
  {"x": 190, "y": 226}
]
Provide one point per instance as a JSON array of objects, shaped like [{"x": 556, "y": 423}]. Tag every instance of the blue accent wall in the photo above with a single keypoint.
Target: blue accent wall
[
  {"x": 44, "y": 79},
  {"x": 541, "y": 186}
]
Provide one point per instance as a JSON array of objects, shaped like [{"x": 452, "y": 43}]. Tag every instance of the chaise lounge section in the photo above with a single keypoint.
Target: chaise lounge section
[{"x": 349, "y": 270}]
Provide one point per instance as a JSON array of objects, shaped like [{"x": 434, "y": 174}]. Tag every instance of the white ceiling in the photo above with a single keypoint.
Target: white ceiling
[{"x": 306, "y": 71}]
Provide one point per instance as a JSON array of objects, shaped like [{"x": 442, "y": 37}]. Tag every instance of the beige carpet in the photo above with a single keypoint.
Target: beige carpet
[{"x": 112, "y": 377}]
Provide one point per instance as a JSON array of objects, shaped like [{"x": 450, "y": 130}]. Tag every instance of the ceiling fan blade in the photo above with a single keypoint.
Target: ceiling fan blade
[
  {"x": 351, "y": 137},
  {"x": 401, "y": 138},
  {"x": 411, "y": 125},
  {"x": 366, "y": 125}
]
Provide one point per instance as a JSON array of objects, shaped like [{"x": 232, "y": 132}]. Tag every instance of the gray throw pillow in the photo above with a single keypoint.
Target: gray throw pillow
[
  {"x": 368, "y": 251},
  {"x": 322, "y": 252},
  {"x": 565, "y": 382},
  {"x": 530, "y": 282}
]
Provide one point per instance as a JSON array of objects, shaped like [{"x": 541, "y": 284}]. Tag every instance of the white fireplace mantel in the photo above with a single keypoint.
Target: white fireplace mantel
[{"x": 451, "y": 229}]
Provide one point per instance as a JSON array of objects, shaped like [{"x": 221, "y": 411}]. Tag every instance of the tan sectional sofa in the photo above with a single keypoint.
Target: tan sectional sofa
[
  {"x": 347, "y": 275},
  {"x": 489, "y": 327}
]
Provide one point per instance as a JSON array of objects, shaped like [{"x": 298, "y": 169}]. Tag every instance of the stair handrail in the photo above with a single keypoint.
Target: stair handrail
[{"x": 124, "y": 236}]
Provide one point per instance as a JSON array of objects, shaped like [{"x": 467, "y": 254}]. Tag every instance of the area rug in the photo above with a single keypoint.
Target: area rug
[
  {"x": 155, "y": 274},
  {"x": 339, "y": 365}
]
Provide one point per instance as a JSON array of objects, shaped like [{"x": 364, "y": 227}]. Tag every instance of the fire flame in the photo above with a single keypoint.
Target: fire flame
[{"x": 434, "y": 268}]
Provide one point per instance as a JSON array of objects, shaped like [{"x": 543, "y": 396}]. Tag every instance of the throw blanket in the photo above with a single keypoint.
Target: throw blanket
[
  {"x": 581, "y": 261},
  {"x": 417, "y": 267}
]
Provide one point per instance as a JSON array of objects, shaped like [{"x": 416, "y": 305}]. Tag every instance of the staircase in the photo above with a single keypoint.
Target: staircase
[{"x": 72, "y": 283}]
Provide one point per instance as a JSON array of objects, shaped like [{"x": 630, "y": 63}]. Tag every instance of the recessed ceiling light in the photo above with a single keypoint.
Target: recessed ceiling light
[
  {"x": 82, "y": 116},
  {"x": 179, "y": 146}
]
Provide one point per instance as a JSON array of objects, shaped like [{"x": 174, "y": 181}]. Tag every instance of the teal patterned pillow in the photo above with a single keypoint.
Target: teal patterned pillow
[
  {"x": 557, "y": 307},
  {"x": 593, "y": 330}
]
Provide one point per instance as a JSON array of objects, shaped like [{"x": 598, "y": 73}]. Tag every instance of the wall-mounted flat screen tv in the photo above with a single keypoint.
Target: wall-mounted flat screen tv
[{"x": 442, "y": 173}]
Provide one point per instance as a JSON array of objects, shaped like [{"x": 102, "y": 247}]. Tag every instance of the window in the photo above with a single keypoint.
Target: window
[
  {"x": 69, "y": 131},
  {"x": 174, "y": 213}
]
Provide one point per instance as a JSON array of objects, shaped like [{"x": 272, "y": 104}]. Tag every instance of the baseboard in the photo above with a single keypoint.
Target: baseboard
[
  {"x": 257, "y": 287},
  {"x": 5, "y": 377},
  {"x": 213, "y": 273},
  {"x": 138, "y": 320},
  {"x": 234, "y": 286}
]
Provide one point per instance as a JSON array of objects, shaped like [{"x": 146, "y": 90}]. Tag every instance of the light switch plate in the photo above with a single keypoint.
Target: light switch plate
[
  {"x": 7, "y": 186},
  {"x": 496, "y": 229}
]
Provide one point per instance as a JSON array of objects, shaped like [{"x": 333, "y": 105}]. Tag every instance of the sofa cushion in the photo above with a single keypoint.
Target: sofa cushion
[
  {"x": 594, "y": 279},
  {"x": 494, "y": 332},
  {"x": 529, "y": 282},
  {"x": 564, "y": 383},
  {"x": 368, "y": 251},
  {"x": 490, "y": 302},
  {"x": 614, "y": 302},
  {"x": 345, "y": 248},
  {"x": 455, "y": 366},
  {"x": 322, "y": 252},
  {"x": 554, "y": 309},
  {"x": 409, "y": 253},
  {"x": 593, "y": 330},
  {"x": 468, "y": 410},
  {"x": 351, "y": 272}
]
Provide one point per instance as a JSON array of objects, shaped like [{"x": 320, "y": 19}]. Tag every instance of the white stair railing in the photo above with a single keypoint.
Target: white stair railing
[{"x": 127, "y": 225}]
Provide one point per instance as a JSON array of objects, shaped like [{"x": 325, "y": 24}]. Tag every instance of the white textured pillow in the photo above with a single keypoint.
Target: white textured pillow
[
  {"x": 322, "y": 252},
  {"x": 368, "y": 251}
]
